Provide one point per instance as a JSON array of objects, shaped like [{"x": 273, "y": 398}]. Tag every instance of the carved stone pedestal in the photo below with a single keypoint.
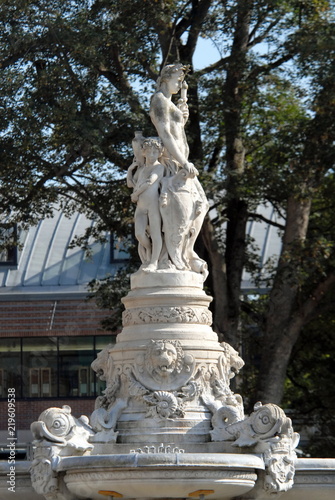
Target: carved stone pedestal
[
  {"x": 168, "y": 425},
  {"x": 167, "y": 371}
]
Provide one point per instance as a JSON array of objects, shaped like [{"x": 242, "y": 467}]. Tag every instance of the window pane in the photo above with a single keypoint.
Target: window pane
[
  {"x": 39, "y": 367},
  {"x": 76, "y": 378},
  {"x": 10, "y": 366},
  {"x": 8, "y": 250},
  {"x": 119, "y": 248},
  {"x": 101, "y": 341}
]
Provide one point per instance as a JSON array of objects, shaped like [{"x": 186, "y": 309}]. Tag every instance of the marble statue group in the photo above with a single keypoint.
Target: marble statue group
[{"x": 171, "y": 203}]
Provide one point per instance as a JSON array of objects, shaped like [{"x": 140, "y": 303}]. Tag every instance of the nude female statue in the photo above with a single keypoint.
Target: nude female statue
[
  {"x": 169, "y": 119},
  {"x": 183, "y": 201}
]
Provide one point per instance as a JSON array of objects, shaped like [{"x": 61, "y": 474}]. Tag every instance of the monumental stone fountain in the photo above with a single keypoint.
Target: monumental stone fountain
[{"x": 168, "y": 424}]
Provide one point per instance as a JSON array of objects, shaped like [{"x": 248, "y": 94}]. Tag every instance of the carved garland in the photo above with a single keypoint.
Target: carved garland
[{"x": 138, "y": 316}]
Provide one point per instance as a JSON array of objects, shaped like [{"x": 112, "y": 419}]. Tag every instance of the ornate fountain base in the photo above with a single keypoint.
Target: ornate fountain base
[
  {"x": 168, "y": 422},
  {"x": 161, "y": 475},
  {"x": 314, "y": 479}
]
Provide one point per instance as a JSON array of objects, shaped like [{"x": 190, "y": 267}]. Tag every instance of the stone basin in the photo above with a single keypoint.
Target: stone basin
[
  {"x": 161, "y": 475},
  {"x": 314, "y": 480}
]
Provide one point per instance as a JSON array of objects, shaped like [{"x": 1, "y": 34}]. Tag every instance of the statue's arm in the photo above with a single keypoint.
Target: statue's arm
[
  {"x": 160, "y": 116},
  {"x": 140, "y": 189},
  {"x": 156, "y": 176},
  {"x": 130, "y": 176},
  {"x": 158, "y": 173},
  {"x": 182, "y": 102}
]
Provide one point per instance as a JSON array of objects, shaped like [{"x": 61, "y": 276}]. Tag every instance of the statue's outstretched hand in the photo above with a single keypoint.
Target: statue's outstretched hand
[{"x": 190, "y": 169}]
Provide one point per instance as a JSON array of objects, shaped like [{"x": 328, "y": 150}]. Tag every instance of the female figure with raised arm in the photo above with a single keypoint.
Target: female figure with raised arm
[{"x": 183, "y": 201}]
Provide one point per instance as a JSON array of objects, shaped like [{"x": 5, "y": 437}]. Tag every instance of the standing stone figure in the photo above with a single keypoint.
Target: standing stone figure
[
  {"x": 167, "y": 230},
  {"x": 146, "y": 195},
  {"x": 170, "y": 120},
  {"x": 183, "y": 201}
]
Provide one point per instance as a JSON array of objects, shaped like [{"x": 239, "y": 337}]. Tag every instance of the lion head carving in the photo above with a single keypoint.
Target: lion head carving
[
  {"x": 232, "y": 361},
  {"x": 164, "y": 357}
]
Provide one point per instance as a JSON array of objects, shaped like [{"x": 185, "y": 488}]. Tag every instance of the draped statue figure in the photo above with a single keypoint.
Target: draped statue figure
[{"x": 182, "y": 202}]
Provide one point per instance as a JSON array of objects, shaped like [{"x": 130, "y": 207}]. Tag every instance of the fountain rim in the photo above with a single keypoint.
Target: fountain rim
[
  {"x": 168, "y": 460},
  {"x": 315, "y": 464}
]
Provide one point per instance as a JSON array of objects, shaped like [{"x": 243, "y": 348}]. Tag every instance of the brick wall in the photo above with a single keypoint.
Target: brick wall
[
  {"x": 29, "y": 411},
  {"x": 50, "y": 317}
]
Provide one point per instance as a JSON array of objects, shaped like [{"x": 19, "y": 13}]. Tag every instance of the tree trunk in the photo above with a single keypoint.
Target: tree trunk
[
  {"x": 217, "y": 277},
  {"x": 237, "y": 213},
  {"x": 283, "y": 321},
  {"x": 193, "y": 126},
  {"x": 237, "y": 210}
]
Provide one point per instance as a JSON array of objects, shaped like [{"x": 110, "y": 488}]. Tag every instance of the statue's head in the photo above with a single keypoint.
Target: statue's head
[
  {"x": 172, "y": 71},
  {"x": 152, "y": 142},
  {"x": 152, "y": 149}
]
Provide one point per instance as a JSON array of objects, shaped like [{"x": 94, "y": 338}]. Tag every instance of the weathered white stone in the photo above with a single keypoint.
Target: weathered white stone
[
  {"x": 56, "y": 433},
  {"x": 268, "y": 431},
  {"x": 146, "y": 182},
  {"x": 171, "y": 204},
  {"x": 141, "y": 475},
  {"x": 166, "y": 278},
  {"x": 314, "y": 478}
]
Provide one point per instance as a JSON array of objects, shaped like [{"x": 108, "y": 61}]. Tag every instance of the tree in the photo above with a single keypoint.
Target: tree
[
  {"x": 76, "y": 77},
  {"x": 310, "y": 375}
]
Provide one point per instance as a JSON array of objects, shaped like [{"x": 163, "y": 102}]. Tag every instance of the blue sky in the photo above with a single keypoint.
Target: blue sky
[{"x": 205, "y": 54}]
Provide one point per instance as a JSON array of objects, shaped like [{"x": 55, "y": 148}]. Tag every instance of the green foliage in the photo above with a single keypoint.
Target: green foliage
[{"x": 67, "y": 117}]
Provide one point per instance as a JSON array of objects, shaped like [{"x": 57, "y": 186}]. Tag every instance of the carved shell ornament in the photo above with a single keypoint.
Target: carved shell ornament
[
  {"x": 225, "y": 416},
  {"x": 163, "y": 405}
]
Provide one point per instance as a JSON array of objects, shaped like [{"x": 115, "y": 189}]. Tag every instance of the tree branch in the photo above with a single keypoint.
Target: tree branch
[
  {"x": 261, "y": 37},
  {"x": 122, "y": 85},
  {"x": 213, "y": 67},
  {"x": 268, "y": 67},
  {"x": 198, "y": 14},
  {"x": 215, "y": 157},
  {"x": 265, "y": 219}
]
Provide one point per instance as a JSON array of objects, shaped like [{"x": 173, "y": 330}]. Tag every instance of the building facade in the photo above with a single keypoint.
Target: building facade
[{"x": 50, "y": 332}]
